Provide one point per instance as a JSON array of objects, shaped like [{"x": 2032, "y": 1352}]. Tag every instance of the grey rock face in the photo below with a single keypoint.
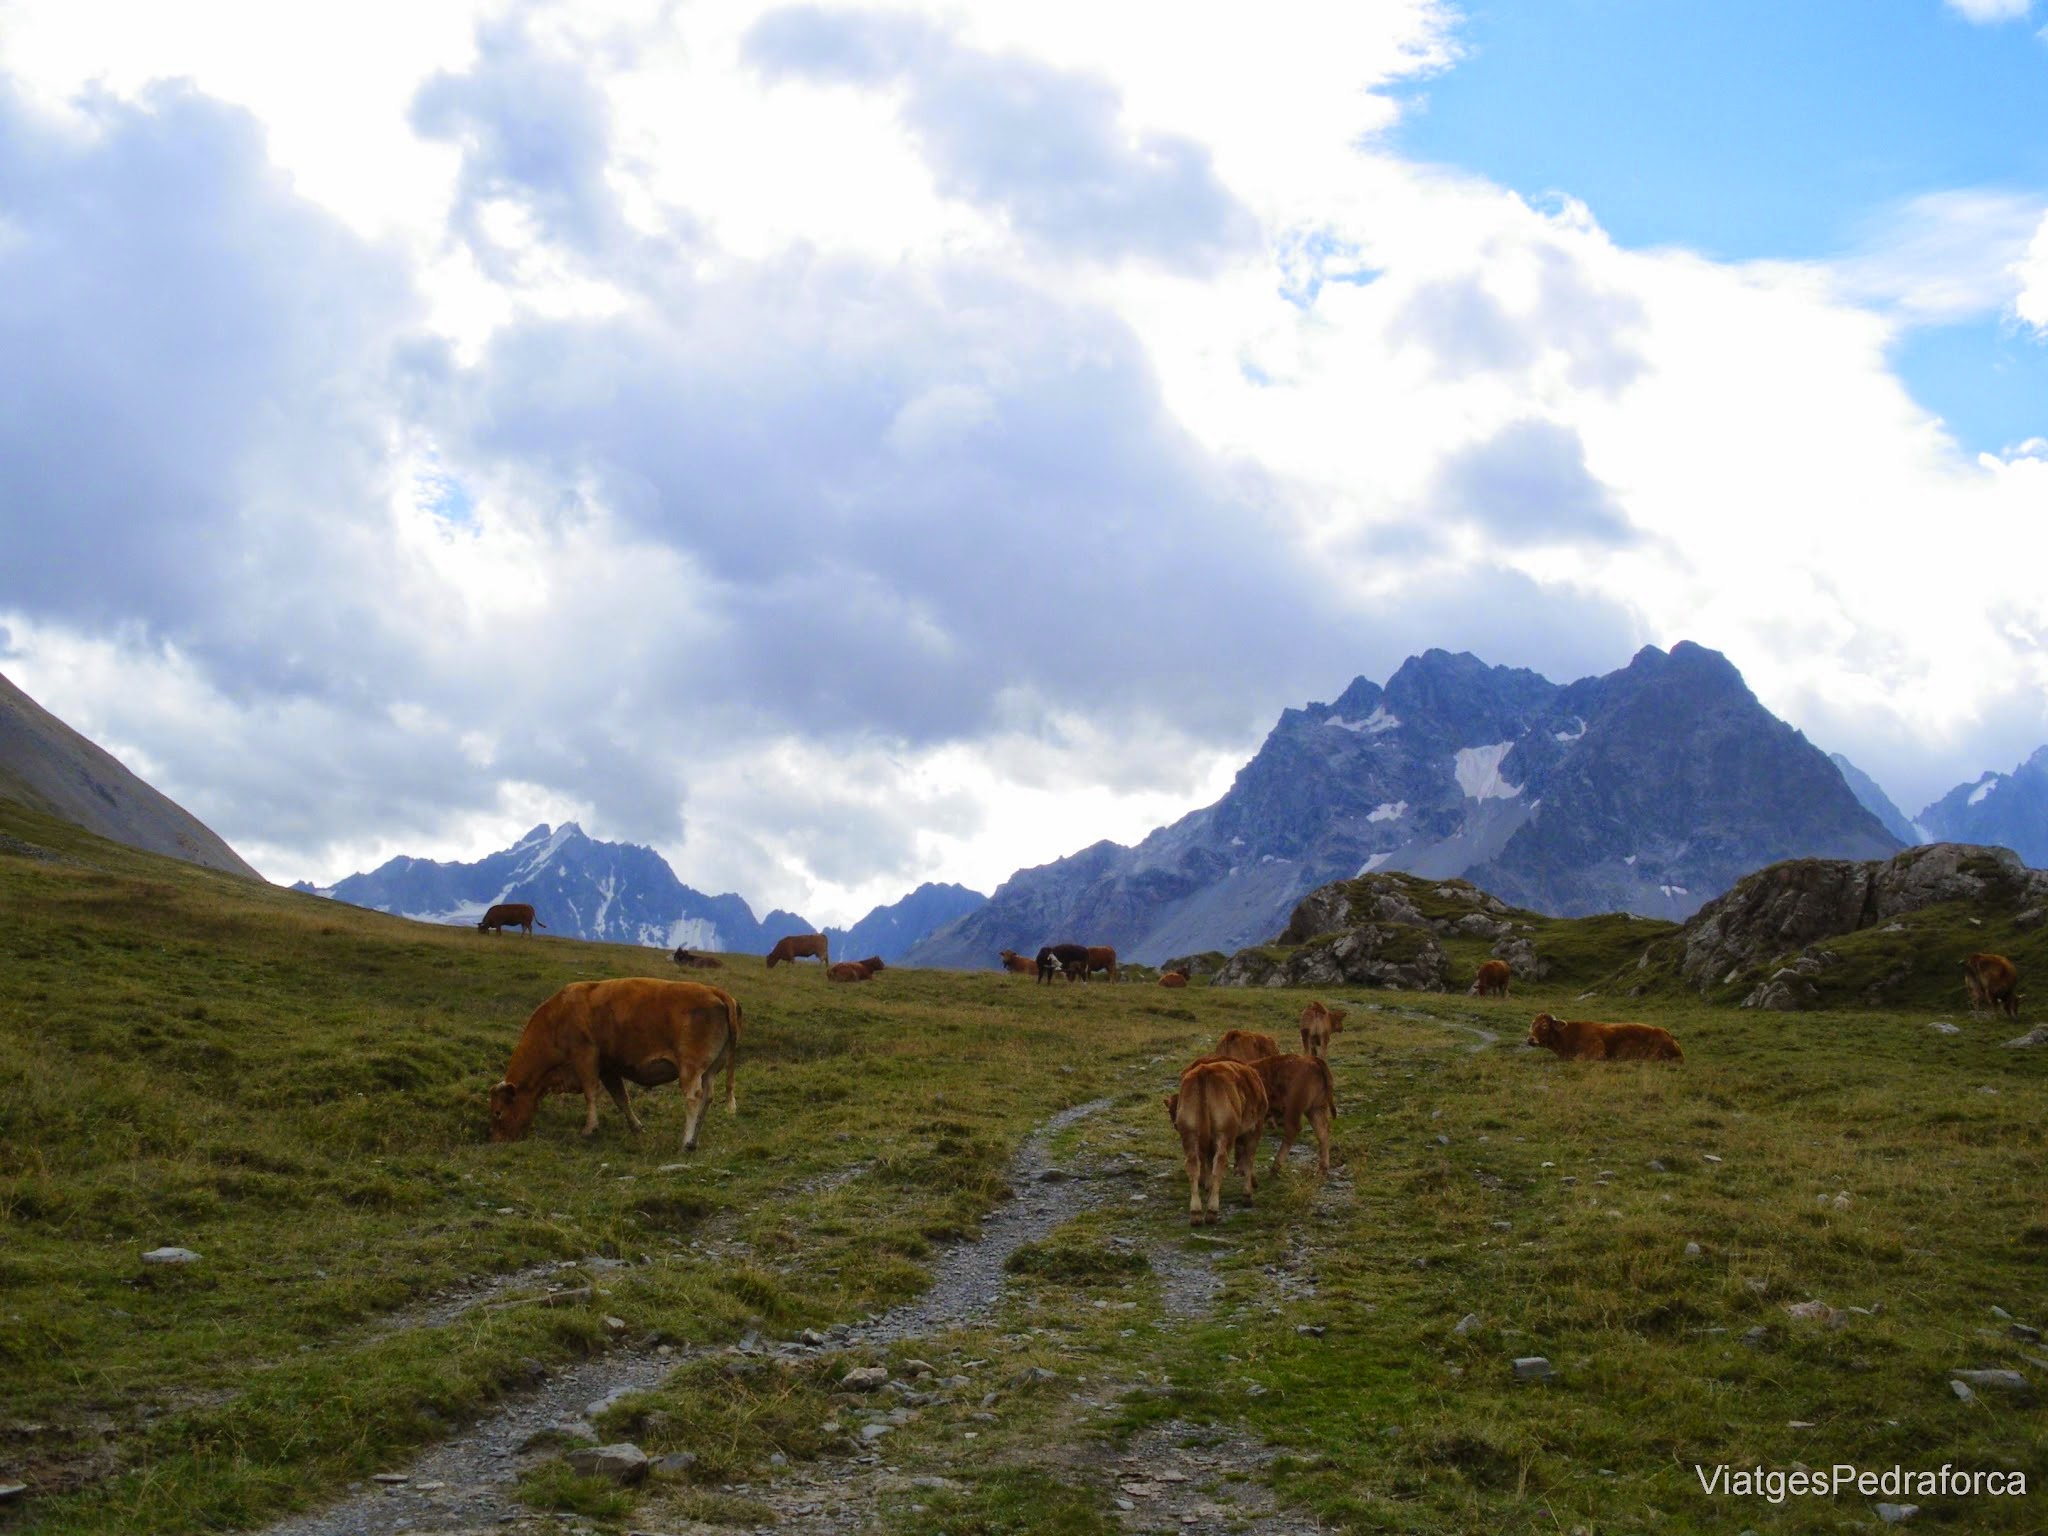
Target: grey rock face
[
  {"x": 623, "y": 1462},
  {"x": 1522, "y": 959},
  {"x": 1373, "y": 955},
  {"x": 1648, "y": 790},
  {"x": 1795, "y": 904}
]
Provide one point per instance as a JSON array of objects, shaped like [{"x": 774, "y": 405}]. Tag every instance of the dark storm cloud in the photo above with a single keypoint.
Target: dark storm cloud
[
  {"x": 534, "y": 130},
  {"x": 1043, "y": 145},
  {"x": 192, "y": 386},
  {"x": 1528, "y": 484},
  {"x": 908, "y": 493}
]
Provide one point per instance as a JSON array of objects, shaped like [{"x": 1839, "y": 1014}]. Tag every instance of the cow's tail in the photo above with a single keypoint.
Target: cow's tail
[
  {"x": 1329, "y": 1083},
  {"x": 732, "y": 1051},
  {"x": 538, "y": 923}
]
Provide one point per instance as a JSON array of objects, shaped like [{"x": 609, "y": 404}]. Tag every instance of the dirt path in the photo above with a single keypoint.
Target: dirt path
[
  {"x": 1486, "y": 1036},
  {"x": 465, "y": 1484}
]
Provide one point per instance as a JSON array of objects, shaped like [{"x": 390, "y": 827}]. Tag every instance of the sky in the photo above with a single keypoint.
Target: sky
[{"x": 847, "y": 445}]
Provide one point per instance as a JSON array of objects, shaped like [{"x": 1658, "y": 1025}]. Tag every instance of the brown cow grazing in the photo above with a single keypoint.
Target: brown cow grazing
[
  {"x": 1492, "y": 980},
  {"x": 1018, "y": 965},
  {"x": 1220, "y": 1112},
  {"x": 1583, "y": 1040},
  {"x": 1243, "y": 1045},
  {"x": 1298, "y": 1087},
  {"x": 1319, "y": 1021},
  {"x": 798, "y": 946},
  {"x": 1102, "y": 958},
  {"x": 1174, "y": 979},
  {"x": 615, "y": 1032},
  {"x": 1070, "y": 958},
  {"x": 690, "y": 962},
  {"x": 1992, "y": 980},
  {"x": 509, "y": 914}
]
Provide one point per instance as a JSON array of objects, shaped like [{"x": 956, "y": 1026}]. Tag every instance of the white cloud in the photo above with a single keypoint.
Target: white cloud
[
  {"x": 1986, "y": 12},
  {"x": 765, "y": 465}
]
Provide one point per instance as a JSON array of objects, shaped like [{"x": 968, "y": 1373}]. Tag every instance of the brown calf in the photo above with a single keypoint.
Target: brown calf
[
  {"x": 1173, "y": 979},
  {"x": 615, "y": 1032},
  {"x": 1492, "y": 980},
  {"x": 1244, "y": 1045},
  {"x": 1220, "y": 1113},
  {"x": 1319, "y": 1021},
  {"x": 1992, "y": 980},
  {"x": 1298, "y": 1087},
  {"x": 1584, "y": 1040}
]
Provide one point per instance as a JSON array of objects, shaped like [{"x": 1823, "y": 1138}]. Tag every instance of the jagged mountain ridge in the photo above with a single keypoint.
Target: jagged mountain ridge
[
  {"x": 1649, "y": 790},
  {"x": 1874, "y": 800},
  {"x": 2005, "y": 810},
  {"x": 890, "y": 931},
  {"x": 48, "y": 766},
  {"x": 619, "y": 893}
]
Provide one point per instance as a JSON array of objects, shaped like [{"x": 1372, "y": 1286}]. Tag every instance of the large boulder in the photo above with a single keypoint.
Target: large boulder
[
  {"x": 1392, "y": 955},
  {"x": 1347, "y": 904},
  {"x": 1791, "y": 906}
]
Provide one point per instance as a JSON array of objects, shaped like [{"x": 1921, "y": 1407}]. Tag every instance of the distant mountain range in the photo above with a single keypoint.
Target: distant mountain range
[
  {"x": 622, "y": 893},
  {"x": 47, "y": 765},
  {"x": 1649, "y": 790},
  {"x": 1875, "y": 800},
  {"x": 2006, "y": 810}
]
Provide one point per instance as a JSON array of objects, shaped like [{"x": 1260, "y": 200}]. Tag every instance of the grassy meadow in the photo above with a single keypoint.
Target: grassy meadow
[{"x": 296, "y": 1090}]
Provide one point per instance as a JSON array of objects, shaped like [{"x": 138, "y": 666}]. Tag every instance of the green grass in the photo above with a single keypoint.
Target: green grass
[{"x": 296, "y": 1090}]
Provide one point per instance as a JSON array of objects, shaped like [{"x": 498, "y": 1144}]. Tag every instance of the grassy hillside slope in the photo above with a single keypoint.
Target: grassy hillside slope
[{"x": 295, "y": 1090}]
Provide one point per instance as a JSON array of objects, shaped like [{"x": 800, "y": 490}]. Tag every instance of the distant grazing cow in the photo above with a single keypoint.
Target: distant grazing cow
[
  {"x": 1220, "y": 1112},
  {"x": 798, "y": 946},
  {"x": 509, "y": 914},
  {"x": 1584, "y": 1040},
  {"x": 1018, "y": 965},
  {"x": 1070, "y": 958},
  {"x": 1991, "y": 980},
  {"x": 1492, "y": 980},
  {"x": 1299, "y": 1087},
  {"x": 1243, "y": 1045},
  {"x": 615, "y": 1032},
  {"x": 1174, "y": 979},
  {"x": 1102, "y": 958},
  {"x": 1319, "y": 1021},
  {"x": 690, "y": 962}
]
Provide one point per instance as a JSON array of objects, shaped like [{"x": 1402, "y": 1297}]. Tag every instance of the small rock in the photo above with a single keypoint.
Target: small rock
[
  {"x": 777, "y": 1459},
  {"x": 1656, "y": 1165},
  {"x": 916, "y": 1369},
  {"x": 864, "y": 1378},
  {"x": 170, "y": 1256},
  {"x": 1942, "y": 1026},
  {"x": 873, "y": 1432},
  {"x": 622, "y": 1462},
  {"x": 9, "y": 1492},
  {"x": 614, "y": 1326},
  {"x": 1962, "y": 1392},
  {"x": 1812, "y": 1311},
  {"x": 391, "y": 1477},
  {"x": 1533, "y": 1368},
  {"x": 1693, "y": 1251},
  {"x": 1799, "y": 1424},
  {"x": 1756, "y": 1336},
  {"x": 675, "y": 1463},
  {"x": 812, "y": 1337},
  {"x": 2010, "y": 1382},
  {"x": 1897, "y": 1514},
  {"x": 1310, "y": 1330},
  {"x": 2038, "y": 1035},
  {"x": 1709, "y": 1157},
  {"x": 2001, "y": 1314},
  {"x": 1466, "y": 1323},
  {"x": 2026, "y": 1333}
]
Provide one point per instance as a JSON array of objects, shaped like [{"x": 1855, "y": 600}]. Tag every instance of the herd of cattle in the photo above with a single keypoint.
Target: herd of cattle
[{"x": 648, "y": 1032}]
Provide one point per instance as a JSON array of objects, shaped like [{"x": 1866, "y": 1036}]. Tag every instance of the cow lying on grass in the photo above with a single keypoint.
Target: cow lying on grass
[
  {"x": 1319, "y": 1021},
  {"x": 1174, "y": 979},
  {"x": 1018, "y": 965},
  {"x": 615, "y": 1032},
  {"x": 855, "y": 970},
  {"x": 1220, "y": 1112},
  {"x": 1584, "y": 1040}
]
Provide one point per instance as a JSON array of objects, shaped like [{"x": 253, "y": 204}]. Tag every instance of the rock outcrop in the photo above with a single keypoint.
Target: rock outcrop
[{"x": 1790, "y": 908}]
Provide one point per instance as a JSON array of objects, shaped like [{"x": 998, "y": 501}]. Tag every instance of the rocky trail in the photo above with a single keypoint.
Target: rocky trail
[{"x": 1170, "y": 1477}]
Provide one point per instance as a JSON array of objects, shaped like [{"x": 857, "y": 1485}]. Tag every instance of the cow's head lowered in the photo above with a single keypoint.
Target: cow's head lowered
[{"x": 512, "y": 1108}]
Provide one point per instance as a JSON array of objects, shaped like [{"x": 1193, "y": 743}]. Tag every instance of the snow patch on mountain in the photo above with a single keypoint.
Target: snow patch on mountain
[
  {"x": 1478, "y": 772},
  {"x": 1579, "y": 729},
  {"x": 1380, "y": 720},
  {"x": 1977, "y": 795},
  {"x": 1389, "y": 810},
  {"x": 1374, "y": 862}
]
